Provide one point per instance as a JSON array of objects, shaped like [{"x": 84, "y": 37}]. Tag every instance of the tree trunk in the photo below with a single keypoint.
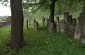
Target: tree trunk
[
  {"x": 16, "y": 24},
  {"x": 52, "y": 7}
]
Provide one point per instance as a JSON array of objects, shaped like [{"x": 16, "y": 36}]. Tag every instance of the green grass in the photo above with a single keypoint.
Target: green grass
[{"x": 41, "y": 42}]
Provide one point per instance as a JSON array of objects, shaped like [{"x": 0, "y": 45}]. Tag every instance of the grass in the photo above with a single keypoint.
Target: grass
[{"x": 41, "y": 42}]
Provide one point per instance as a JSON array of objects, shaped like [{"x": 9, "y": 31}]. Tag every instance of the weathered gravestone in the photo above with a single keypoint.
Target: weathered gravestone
[
  {"x": 62, "y": 26},
  {"x": 74, "y": 21},
  {"x": 57, "y": 26},
  {"x": 66, "y": 17},
  {"x": 35, "y": 25},
  {"x": 43, "y": 21},
  {"x": 70, "y": 20},
  {"x": 71, "y": 30},
  {"x": 51, "y": 27},
  {"x": 77, "y": 33},
  {"x": 82, "y": 25}
]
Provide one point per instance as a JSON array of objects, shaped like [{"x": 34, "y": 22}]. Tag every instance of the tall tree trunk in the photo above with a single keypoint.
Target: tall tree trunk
[
  {"x": 52, "y": 7},
  {"x": 16, "y": 24}
]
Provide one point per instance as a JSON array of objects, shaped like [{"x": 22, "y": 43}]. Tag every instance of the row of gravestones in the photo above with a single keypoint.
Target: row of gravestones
[
  {"x": 73, "y": 26},
  {"x": 5, "y": 22}
]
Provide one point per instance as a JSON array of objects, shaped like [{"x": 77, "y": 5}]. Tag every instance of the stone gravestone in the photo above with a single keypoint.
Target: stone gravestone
[
  {"x": 70, "y": 20},
  {"x": 74, "y": 21},
  {"x": 43, "y": 21},
  {"x": 71, "y": 30},
  {"x": 62, "y": 26},
  {"x": 82, "y": 25},
  {"x": 57, "y": 26},
  {"x": 66, "y": 17},
  {"x": 77, "y": 33},
  {"x": 51, "y": 27},
  {"x": 35, "y": 25}
]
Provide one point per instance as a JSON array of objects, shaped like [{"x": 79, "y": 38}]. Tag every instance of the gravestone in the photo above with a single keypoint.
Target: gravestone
[
  {"x": 71, "y": 30},
  {"x": 62, "y": 26},
  {"x": 66, "y": 17},
  {"x": 70, "y": 20},
  {"x": 57, "y": 26},
  {"x": 77, "y": 33},
  {"x": 51, "y": 27},
  {"x": 83, "y": 40},
  {"x": 43, "y": 21},
  {"x": 35, "y": 25},
  {"x": 74, "y": 21}
]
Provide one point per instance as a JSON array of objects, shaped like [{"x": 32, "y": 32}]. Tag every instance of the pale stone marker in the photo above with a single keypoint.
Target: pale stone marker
[
  {"x": 51, "y": 27},
  {"x": 35, "y": 25},
  {"x": 62, "y": 26},
  {"x": 77, "y": 33}
]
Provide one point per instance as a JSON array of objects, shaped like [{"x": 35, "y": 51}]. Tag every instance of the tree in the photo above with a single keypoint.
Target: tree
[
  {"x": 52, "y": 8},
  {"x": 17, "y": 24}
]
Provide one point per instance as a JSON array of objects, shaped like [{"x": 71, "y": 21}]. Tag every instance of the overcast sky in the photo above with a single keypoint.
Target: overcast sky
[{"x": 4, "y": 11}]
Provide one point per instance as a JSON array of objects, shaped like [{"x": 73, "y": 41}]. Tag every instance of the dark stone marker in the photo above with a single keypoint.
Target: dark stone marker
[
  {"x": 74, "y": 21},
  {"x": 70, "y": 20},
  {"x": 66, "y": 17}
]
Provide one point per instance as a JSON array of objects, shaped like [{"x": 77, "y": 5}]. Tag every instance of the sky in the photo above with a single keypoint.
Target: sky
[{"x": 4, "y": 11}]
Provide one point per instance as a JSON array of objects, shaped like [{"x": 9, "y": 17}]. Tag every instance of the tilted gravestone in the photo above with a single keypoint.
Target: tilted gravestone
[
  {"x": 35, "y": 25},
  {"x": 43, "y": 21},
  {"x": 77, "y": 33},
  {"x": 62, "y": 26}
]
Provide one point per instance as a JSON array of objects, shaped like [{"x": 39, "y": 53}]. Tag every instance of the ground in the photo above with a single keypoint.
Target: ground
[{"x": 42, "y": 42}]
